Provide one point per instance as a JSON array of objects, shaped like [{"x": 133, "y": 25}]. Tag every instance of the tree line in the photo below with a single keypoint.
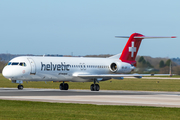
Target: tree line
[{"x": 146, "y": 64}]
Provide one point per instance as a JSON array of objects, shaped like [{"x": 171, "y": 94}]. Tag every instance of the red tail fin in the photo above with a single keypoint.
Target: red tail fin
[
  {"x": 130, "y": 50},
  {"x": 132, "y": 46}
]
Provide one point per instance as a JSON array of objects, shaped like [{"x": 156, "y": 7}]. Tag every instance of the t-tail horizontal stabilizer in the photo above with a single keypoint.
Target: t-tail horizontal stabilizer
[{"x": 132, "y": 46}]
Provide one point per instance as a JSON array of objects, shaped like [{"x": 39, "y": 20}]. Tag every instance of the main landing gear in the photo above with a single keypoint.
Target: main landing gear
[
  {"x": 95, "y": 87},
  {"x": 20, "y": 87},
  {"x": 63, "y": 86}
]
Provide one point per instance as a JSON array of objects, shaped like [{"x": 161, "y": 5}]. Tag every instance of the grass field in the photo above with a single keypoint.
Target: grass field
[
  {"x": 126, "y": 84},
  {"x": 22, "y": 110}
]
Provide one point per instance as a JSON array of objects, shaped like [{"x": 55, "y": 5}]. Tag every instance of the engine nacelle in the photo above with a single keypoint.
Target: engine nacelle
[
  {"x": 121, "y": 67},
  {"x": 113, "y": 67}
]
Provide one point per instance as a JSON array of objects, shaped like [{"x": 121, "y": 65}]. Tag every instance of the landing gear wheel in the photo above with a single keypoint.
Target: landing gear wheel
[
  {"x": 94, "y": 87},
  {"x": 64, "y": 86},
  {"x": 20, "y": 87},
  {"x": 61, "y": 87}
]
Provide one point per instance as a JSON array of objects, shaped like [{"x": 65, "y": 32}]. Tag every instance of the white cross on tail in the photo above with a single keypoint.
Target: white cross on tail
[{"x": 132, "y": 49}]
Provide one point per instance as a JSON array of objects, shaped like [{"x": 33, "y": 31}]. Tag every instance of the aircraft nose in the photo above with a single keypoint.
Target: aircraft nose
[{"x": 6, "y": 72}]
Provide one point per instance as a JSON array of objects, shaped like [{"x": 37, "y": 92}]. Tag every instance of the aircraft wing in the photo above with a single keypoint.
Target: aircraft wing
[{"x": 117, "y": 75}]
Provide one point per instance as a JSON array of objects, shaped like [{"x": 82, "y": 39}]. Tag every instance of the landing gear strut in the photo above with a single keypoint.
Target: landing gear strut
[
  {"x": 20, "y": 87},
  {"x": 63, "y": 86},
  {"x": 95, "y": 87}
]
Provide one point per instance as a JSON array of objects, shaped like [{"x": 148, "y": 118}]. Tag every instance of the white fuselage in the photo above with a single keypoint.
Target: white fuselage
[{"x": 30, "y": 68}]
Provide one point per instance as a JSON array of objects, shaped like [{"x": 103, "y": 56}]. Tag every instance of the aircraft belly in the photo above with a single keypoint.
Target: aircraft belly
[
  {"x": 77, "y": 79},
  {"x": 49, "y": 76}
]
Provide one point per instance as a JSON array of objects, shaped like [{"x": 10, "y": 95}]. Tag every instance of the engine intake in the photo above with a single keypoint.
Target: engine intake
[{"x": 113, "y": 67}]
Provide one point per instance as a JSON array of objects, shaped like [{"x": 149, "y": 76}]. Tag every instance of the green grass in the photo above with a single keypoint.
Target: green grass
[
  {"x": 126, "y": 84},
  {"x": 14, "y": 110},
  {"x": 21, "y": 110}
]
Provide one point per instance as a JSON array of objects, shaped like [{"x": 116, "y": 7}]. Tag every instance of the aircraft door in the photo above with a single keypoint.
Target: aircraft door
[{"x": 33, "y": 66}]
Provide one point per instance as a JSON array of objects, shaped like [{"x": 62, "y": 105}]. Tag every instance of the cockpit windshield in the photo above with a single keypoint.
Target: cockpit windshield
[
  {"x": 22, "y": 64},
  {"x": 17, "y": 63}
]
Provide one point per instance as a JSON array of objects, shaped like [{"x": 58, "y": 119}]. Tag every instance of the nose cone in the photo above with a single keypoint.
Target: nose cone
[{"x": 6, "y": 72}]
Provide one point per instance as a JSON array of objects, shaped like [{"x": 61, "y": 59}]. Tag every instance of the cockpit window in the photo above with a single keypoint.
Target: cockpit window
[
  {"x": 22, "y": 64},
  {"x": 15, "y": 63}
]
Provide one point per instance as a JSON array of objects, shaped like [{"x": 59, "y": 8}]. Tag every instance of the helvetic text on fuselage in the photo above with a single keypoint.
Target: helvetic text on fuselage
[{"x": 55, "y": 67}]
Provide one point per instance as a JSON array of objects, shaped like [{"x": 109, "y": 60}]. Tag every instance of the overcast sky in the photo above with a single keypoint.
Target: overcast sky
[{"x": 88, "y": 27}]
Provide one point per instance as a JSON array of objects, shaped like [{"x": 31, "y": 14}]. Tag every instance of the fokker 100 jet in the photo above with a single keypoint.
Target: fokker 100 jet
[{"x": 76, "y": 69}]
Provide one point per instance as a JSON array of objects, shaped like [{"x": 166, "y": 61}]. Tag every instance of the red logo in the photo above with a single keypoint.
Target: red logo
[{"x": 23, "y": 71}]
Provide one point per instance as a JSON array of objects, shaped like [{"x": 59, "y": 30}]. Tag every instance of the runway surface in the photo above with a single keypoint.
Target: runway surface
[{"x": 103, "y": 97}]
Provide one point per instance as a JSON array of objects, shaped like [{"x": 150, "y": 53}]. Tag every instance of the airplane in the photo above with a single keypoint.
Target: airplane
[{"x": 76, "y": 69}]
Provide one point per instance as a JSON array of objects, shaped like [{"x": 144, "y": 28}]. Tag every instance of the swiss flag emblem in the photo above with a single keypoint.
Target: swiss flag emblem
[{"x": 132, "y": 49}]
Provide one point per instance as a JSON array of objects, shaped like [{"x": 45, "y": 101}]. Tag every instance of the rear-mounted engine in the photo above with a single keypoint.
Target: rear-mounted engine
[{"x": 113, "y": 67}]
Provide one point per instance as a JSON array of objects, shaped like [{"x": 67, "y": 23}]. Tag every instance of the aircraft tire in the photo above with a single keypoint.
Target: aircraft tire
[
  {"x": 96, "y": 87},
  {"x": 66, "y": 86},
  {"x": 20, "y": 87},
  {"x": 61, "y": 87},
  {"x": 92, "y": 87}
]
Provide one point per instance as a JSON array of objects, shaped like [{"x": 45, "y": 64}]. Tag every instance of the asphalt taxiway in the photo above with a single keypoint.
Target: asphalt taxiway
[{"x": 103, "y": 97}]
